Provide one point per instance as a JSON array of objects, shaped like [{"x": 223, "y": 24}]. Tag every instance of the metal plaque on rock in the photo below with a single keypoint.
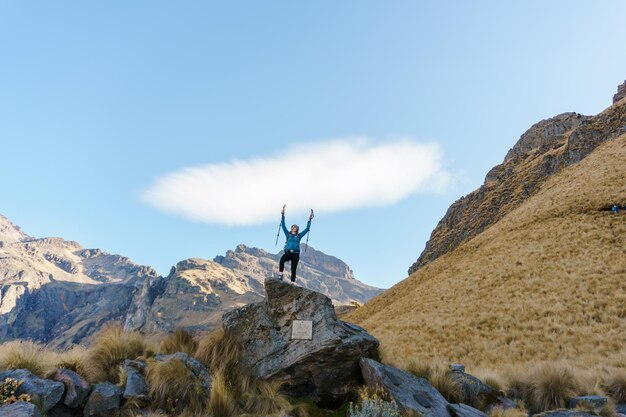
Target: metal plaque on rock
[{"x": 301, "y": 330}]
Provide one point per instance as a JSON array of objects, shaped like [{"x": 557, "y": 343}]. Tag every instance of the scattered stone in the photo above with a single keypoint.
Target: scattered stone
[
  {"x": 621, "y": 408},
  {"x": 136, "y": 387},
  {"x": 473, "y": 389},
  {"x": 464, "y": 410},
  {"x": 76, "y": 388},
  {"x": 48, "y": 392},
  {"x": 194, "y": 365},
  {"x": 407, "y": 390},
  {"x": 324, "y": 369},
  {"x": 104, "y": 401},
  {"x": 62, "y": 410},
  {"x": 457, "y": 367},
  {"x": 595, "y": 402},
  {"x": 20, "y": 409},
  {"x": 566, "y": 413}
]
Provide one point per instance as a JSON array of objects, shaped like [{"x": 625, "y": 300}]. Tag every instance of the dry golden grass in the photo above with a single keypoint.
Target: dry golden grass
[
  {"x": 111, "y": 346},
  {"x": 615, "y": 385},
  {"x": 179, "y": 341},
  {"x": 222, "y": 403},
  {"x": 265, "y": 399},
  {"x": 174, "y": 387},
  {"x": 27, "y": 355},
  {"x": 546, "y": 282}
]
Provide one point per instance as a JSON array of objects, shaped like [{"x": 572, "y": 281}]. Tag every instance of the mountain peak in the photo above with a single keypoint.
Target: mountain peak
[{"x": 9, "y": 232}]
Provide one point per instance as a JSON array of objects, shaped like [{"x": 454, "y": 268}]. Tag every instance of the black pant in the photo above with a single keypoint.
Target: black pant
[{"x": 294, "y": 257}]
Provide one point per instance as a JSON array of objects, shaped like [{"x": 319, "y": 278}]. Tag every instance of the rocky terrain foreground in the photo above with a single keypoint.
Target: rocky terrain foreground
[
  {"x": 55, "y": 291},
  {"x": 326, "y": 361}
]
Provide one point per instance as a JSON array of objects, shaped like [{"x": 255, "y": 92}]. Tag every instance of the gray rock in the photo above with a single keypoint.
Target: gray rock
[
  {"x": 324, "y": 369},
  {"x": 136, "y": 386},
  {"x": 194, "y": 365},
  {"x": 594, "y": 401},
  {"x": 464, "y": 410},
  {"x": 62, "y": 410},
  {"x": 407, "y": 390},
  {"x": 621, "y": 408},
  {"x": 475, "y": 392},
  {"x": 76, "y": 388},
  {"x": 104, "y": 401},
  {"x": 566, "y": 413},
  {"x": 457, "y": 367},
  {"x": 20, "y": 409},
  {"x": 44, "y": 390}
]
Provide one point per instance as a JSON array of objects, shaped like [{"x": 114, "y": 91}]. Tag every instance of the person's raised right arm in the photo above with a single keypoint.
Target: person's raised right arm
[{"x": 282, "y": 222}]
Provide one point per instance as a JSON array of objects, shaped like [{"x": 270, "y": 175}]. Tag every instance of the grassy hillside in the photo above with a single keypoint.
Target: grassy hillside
[{"x": 546, "y": 282}]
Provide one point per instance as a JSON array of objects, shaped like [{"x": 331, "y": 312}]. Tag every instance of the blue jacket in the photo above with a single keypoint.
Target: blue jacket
[{"x": 293, "y": 241}]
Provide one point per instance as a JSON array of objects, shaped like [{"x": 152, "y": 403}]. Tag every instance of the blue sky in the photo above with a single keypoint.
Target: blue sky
[{"x": 99, "y": 101}]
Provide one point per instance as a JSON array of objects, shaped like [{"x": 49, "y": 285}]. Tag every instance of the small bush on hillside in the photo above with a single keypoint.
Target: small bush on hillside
[
  {"x": 179, "y": 341},
  {"x": 373, "y": 404},
  {"x": 174, "y": 388},
  {"x": 8, "y": 389},
  {"x": 25, "y": 355},
  {"x": 110, "y": 348},
  {"x": 615, "y": 386}
]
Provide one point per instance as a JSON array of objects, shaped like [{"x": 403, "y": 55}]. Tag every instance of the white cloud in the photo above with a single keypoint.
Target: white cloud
[{"x": 326, "y": 176}]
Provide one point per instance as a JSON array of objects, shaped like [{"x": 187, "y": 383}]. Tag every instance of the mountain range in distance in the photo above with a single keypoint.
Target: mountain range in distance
[{"x": 56, "y": 292}]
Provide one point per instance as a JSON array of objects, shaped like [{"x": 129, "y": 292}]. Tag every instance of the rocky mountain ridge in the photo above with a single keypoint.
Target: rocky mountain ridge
[
  {"x": 55, "y": 291},
  {"x": 541, "y": 152}
]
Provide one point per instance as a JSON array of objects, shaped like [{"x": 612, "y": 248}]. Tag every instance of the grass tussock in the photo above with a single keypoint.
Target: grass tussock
[
  {"x": 221, "y": 403},
  {"x": 508, "y": 412},
  {"x": 615, "y": 385},
  {"x": 110, "y": 348},
  {"x": 437, "y": 374},
  {"x": 27, "y": 355},
  {"x": 179, "y": 341},
  {"x": 220, "y": 352},
  {"x": 265, "y": 399},
  {"x": 548, "y": 386},
  {"x": 173, "y": 387}
]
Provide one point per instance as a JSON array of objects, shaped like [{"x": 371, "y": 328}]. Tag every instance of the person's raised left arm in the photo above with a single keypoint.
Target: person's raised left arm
[{"x": 308, "y": 226}]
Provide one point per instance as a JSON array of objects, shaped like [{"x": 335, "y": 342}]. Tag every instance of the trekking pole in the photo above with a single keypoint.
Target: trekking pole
[
  {"x": 306, "y": 244},
  {"x": 281, "y": 220}
]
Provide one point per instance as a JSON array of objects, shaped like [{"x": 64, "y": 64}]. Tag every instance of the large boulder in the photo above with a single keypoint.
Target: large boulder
[
  {"x": 324, "y": 367},
  {"x": 47, "y": 392},
  {"x": 410, "y": 392},
  {"x": 20, "y": 409},
  {"x": 105, "y": 400},
  {"x": 76, "y": 388}
]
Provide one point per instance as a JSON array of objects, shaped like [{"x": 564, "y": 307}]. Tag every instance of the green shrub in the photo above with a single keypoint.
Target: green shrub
[
  {"x": 8, "y": 389},
  {"x": 373, "y": 405}
]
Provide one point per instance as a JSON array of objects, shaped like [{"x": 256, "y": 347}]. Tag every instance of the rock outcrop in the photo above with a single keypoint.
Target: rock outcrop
[
  {"x": 621, "y": 93},
  {"x": 544, "y": 150},
  {"x": 105, "y": 401},
  {"x": 324, "y": 368},
  {"x": 410, "y": 392},
  {"x": 76, "y": 387}
]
